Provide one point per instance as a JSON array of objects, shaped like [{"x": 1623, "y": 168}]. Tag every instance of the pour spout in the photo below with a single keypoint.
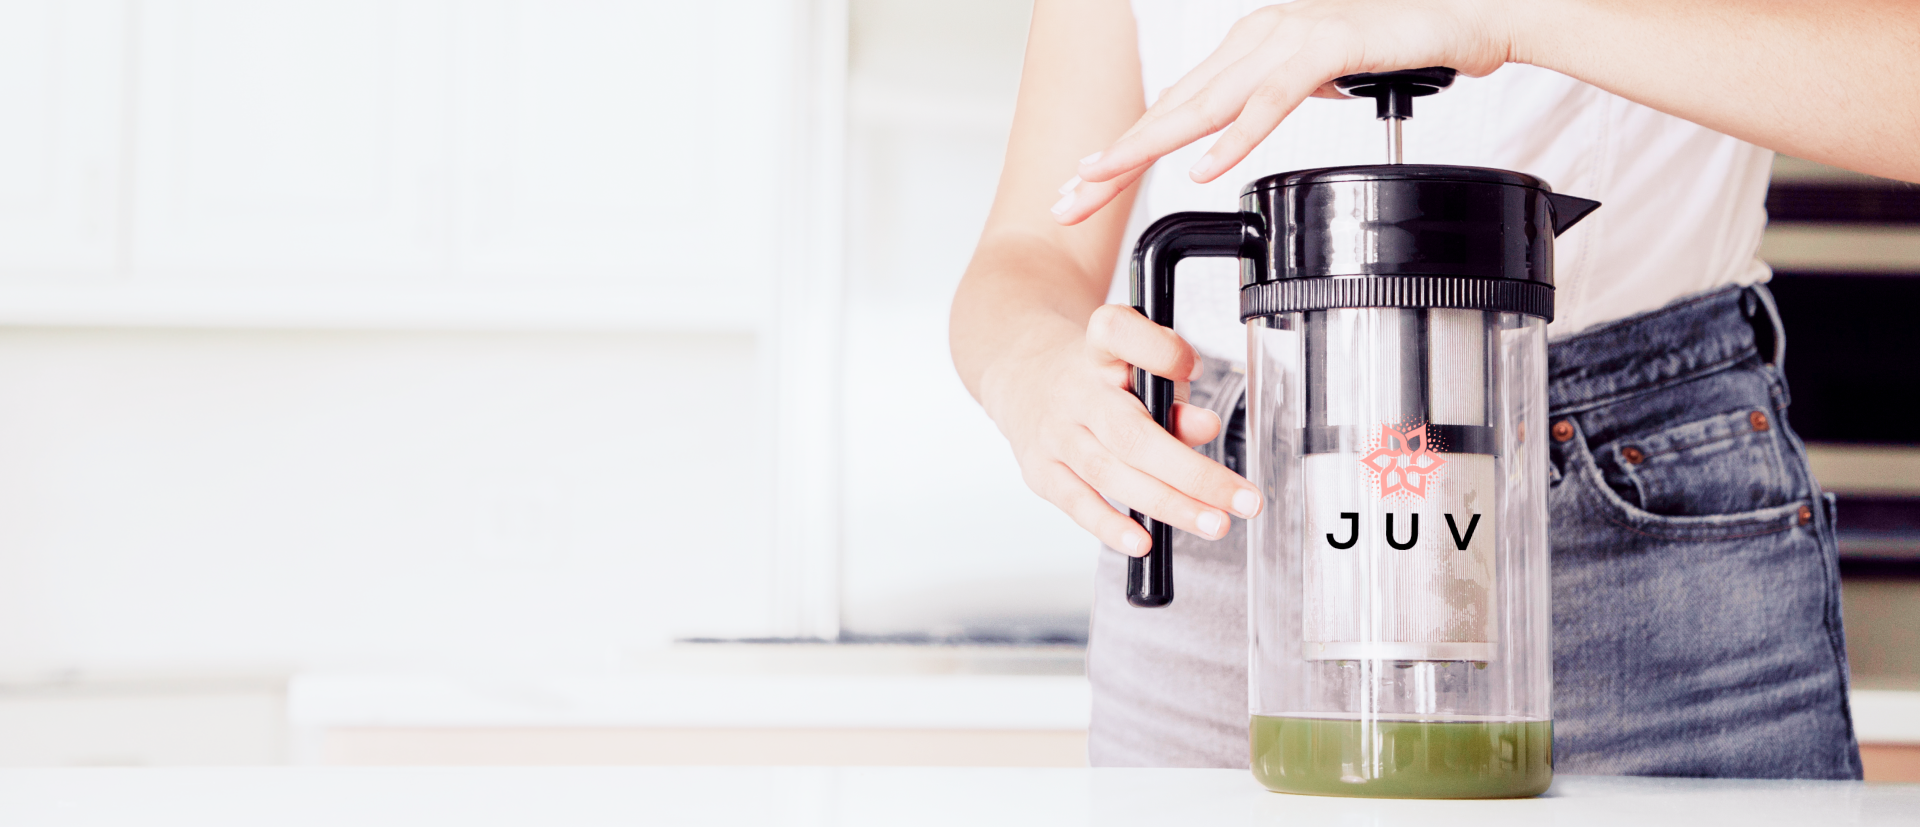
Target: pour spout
[{"x": 1568, "y": 210}]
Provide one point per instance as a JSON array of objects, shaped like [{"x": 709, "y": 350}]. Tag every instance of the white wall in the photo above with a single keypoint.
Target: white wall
[
  {"x": 941, "y": 536},
  {"x": 313, "y": 500}
]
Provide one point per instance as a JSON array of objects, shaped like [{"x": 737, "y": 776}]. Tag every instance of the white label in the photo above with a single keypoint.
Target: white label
[{"x": 1398, "y": 559}]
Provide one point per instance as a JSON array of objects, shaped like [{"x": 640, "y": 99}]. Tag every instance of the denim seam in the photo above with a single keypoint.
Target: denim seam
[
  {"x": 1692, "y": 445},
  {"x": 1590, "y": 342},
  {"x": 1777, "y": 389},
  {"x": 1633, "y": 390},
  {"x": 1709, "y": 538},
  {"x": 1590, "y": 472},
  {"x": 1837, "y": 646},
  {"x": 1825, "y": 531},
  {"x": 1642, "y": 318}
]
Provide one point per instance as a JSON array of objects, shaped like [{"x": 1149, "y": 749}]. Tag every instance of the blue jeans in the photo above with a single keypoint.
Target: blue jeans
[
  {"x": 1696, "y": 592},
  {"x": 1696, "y": 589}
]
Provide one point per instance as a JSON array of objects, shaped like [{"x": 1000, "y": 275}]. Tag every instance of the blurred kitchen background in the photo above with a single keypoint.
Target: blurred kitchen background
[{"x": 441, "y": 381}]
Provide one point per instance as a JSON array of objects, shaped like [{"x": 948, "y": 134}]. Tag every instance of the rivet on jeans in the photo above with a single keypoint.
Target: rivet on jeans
[
  {"x": 1562, "y": 431},
  {"x": 1758, "y": 419},
  {"x": 1806, "y": 515}
]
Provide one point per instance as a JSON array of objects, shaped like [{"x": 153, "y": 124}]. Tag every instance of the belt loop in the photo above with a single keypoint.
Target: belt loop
[{"x": 1769, "y": 336}]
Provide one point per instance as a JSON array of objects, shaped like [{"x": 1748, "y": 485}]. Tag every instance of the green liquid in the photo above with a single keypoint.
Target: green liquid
[{"x": 1403, "y": 759}]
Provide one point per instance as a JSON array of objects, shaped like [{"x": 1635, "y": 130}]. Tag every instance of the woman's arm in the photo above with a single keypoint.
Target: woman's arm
[
  {"x": 1829, "y": 81},
  {"x": 1836, "y": 82},
  {"x": 1029, "y": 335}
]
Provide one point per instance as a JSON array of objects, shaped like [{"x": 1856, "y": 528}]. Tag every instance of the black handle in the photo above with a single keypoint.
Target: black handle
[
  {"x": 1393, "y": 92},
  {"x": 1163, "y": 245}
]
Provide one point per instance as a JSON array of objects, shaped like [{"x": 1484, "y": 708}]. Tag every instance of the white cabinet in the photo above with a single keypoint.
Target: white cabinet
[
  {"x": 283, "y": 144},
  {"x": 398, "y": 163},
  {"x": 62, "y": 76},
  {"x": 620, "y": 144}
]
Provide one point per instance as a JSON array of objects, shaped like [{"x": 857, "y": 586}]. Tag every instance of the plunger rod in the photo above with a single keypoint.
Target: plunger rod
[{"x": 1393, "y": 141}]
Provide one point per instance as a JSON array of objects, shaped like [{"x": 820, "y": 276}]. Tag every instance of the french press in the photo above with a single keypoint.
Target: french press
[{"x": 1396, "y": 421}]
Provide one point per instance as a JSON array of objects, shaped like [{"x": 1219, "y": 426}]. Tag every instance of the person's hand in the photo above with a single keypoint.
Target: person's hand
[
  {"x": 1271, "y": 61},
  {"x": 1078, "y": 432}
]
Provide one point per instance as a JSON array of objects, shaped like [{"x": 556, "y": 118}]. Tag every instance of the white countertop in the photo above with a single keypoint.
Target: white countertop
[
  {"x": 912, "y": 701},
  {"x": 749, "y": 701},
  {"x": 818, "y": 797}
]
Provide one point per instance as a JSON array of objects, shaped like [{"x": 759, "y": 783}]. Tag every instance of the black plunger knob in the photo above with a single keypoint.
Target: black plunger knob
[{"x": 1393, "y": 92}]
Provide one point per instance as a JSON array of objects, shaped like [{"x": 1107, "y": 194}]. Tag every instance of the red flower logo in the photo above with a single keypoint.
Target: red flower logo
[{"x": 1403, "y": 461}]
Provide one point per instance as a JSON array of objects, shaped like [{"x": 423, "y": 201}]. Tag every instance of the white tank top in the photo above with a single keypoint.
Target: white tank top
[{"x": 1683, "y": 206}]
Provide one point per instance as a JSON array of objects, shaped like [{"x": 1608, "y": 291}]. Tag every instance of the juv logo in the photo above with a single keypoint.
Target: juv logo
[
  {"x": 1460, "y": 539},
  {"x": 1403, "y": 462}
]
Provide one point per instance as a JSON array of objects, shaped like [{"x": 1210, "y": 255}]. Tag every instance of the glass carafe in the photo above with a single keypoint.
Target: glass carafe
[
  {"x": 1399, "y": 613},
  {"x": 1398, "y": 584}
]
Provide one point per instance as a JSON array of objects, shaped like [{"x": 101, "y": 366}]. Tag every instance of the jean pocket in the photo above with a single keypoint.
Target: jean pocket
[
  {"x": 1728, "y": 463},
  {"x": 1599, "y": 484}
]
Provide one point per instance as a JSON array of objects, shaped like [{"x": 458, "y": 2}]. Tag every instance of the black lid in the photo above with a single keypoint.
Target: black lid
[
  {"x": 1443, "y": 225},
  {"x": 1396, "y": 172}
]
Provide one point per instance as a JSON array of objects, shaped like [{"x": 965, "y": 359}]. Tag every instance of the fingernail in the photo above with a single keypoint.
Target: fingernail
[
  {"x": 1135, "y": 544},
  {"x": 1203, "y": 168},
  {"x": 1067, "y": 188},
  {"x": 1090, "y": 159},
  {"x": 1065, "y": 203},
  {"x": 1246, "y": 502},
  {"x": 1210, "y": 523},
  {"x": 1199, "y": 367}
]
